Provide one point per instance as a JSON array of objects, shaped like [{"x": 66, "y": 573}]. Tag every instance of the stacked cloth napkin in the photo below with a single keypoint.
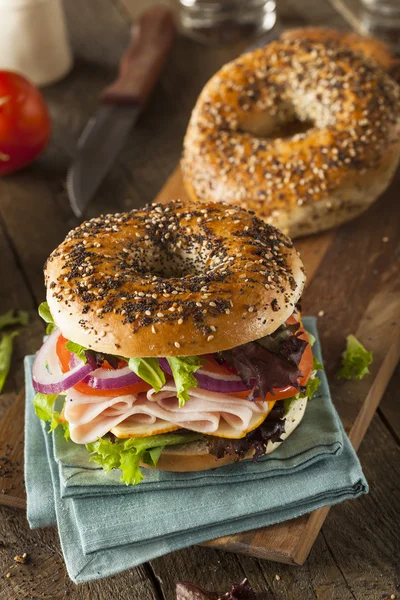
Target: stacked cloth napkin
[{"x": 106, "y": 527}]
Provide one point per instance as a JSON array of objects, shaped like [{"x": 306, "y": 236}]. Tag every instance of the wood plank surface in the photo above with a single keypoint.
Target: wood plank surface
[{"x": 356, "y": 556}]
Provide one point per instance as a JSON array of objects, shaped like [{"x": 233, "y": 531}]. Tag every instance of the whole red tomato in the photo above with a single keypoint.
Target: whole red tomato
[{"x": 24, "y": 122}]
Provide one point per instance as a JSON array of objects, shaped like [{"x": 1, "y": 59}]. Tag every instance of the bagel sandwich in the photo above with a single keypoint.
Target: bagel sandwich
[{"x": 175, "y": 339}]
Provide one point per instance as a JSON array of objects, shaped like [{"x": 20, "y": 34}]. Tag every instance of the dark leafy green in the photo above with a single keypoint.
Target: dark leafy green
[
  {"x": 189, "y": 591},
  {"x": 270, "y": 430},
  {"x": 263, "y": 370}
]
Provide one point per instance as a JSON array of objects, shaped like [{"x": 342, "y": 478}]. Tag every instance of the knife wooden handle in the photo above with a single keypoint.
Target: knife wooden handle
[{"x": 152, "y": 36}]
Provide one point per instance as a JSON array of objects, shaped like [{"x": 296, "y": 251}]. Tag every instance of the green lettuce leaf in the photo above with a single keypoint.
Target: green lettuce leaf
[
  {"x": 44, "y": 404},
  {"x": 149, "y": 370},
  {"x": 183, "y": 368},
  {"x": 311, "y": 338},
  {"x": 78, "y": 350},
  {"x": 355, "y": 360},
  {"x": 317, "y": 366},
  {"x": 45, "y": 314},
  {"x": 312, "y": 386},
  {"x": 12, "y": 317},
  {"x": 6, "y": 349},
  {"x": 126, "y": 455}
]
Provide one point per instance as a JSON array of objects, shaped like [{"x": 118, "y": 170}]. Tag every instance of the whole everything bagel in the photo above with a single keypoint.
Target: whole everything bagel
[{"x": 305, "y": 131}]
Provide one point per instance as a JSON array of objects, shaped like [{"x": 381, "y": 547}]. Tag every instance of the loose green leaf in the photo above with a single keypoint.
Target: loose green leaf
[
  {"x": 355, "y": 360},
  {"x": 149, "y": 370},
  {"x": 183, "y": 368},
  {"x": 6, "y": 349},
  {"x": 127, "y": 455},
  {"x": 12, "y": 317},
  {"x": 45, "y": 314},
  {"x": 78, "y": 350}
]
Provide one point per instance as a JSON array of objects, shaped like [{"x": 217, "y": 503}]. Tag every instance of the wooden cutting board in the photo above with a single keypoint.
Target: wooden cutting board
[{"x": 353, "y": 285}]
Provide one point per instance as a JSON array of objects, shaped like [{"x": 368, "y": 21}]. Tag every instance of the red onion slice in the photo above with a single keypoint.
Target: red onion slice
[
  {"x": 50, "y": 379},
  {"x": 107, "y": 379},
  {"x": 212, "y": 382}
]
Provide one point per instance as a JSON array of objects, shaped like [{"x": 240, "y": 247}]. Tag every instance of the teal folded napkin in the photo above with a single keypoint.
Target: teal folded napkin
[{"x": 136, "y": 527}]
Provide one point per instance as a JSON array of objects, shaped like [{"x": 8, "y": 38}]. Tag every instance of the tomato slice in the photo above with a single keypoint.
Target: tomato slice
[
  {"x": 64, "y": 357},
  {"x": 135, "y": 388}
]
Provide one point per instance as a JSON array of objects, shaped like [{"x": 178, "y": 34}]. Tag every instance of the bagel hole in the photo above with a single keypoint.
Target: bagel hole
[
  {"x": 291, "y": 128},
  {"x": 171, "y": 264},
  {"x": 283, "y": 130}
]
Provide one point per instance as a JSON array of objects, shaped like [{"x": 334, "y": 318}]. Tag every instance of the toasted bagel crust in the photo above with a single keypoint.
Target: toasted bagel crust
[
  {"x": 167, "y": 280},
  {"x": 237, "y": 147},
  {"x": 370, "y": 47}
]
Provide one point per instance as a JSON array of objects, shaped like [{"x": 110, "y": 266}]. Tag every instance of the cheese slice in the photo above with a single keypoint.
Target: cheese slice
[{"x": 131, "y": 429}]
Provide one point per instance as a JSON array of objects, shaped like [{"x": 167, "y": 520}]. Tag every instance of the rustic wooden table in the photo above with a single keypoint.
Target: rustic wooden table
[{"x": 357, "y": 554}]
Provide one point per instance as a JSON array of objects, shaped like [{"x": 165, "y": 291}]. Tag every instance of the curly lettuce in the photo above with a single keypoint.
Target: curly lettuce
[
  {"x": 355, "y": 360},
  {"x": 127, "y": 454}
]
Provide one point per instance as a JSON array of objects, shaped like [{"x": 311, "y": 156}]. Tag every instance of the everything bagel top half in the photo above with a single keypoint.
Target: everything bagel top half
[
  {"x": 305, "y": 132},
  {"x": 174, "y": 337},
  {"x": 172, "y": 281}
]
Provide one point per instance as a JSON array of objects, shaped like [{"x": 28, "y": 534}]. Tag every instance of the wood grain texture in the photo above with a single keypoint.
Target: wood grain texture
[{"x": 355, "y": 556}]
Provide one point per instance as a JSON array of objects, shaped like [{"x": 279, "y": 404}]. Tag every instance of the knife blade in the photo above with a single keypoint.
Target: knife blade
[{"x": 121, "y": 104}]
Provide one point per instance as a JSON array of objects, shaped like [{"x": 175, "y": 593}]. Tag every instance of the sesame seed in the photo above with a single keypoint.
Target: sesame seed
[
  {"x": 321, "y": 313},
  {"x": 177, "y": 344},
  {"x": 210, "y": 337}
]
